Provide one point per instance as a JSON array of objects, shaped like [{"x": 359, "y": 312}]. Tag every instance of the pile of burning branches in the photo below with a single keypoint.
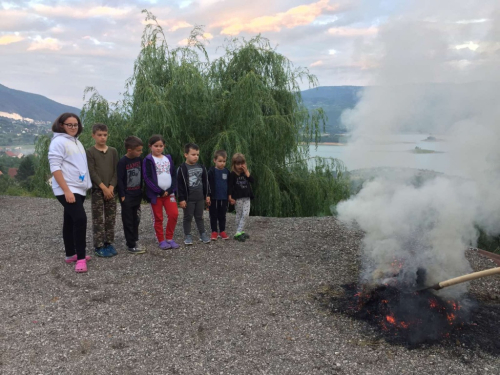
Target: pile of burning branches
[{"x": 410, "y": 314}]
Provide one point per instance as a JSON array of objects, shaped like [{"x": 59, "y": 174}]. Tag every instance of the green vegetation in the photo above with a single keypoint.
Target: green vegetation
[
  {"x": 21, "y": 184},
  {"x": 246, "y": 101},
  {"x": 488, "y": 242},
  {"x": 7, "y": 162}
]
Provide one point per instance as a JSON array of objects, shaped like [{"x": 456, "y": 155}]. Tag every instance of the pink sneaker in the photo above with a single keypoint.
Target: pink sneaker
[
  {"x": 74, "y": 259},
  {"x": 81, "y": 266}
]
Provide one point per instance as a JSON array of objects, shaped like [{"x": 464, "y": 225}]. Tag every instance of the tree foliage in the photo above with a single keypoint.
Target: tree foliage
[
  {"x": 26, "y": 171},
  {"x": 40, "y": 183},
  {"x": 246, "y": 101}
]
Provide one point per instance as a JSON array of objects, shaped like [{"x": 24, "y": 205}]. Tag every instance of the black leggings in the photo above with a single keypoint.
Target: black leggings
[{"x": 74, "y": 226}]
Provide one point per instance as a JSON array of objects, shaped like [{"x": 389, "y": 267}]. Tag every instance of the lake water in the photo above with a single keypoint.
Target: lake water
[{"x": 394, "y": 151}]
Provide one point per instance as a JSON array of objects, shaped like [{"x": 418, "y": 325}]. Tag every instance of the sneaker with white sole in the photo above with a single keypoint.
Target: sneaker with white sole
[
  {"x": 135, "y": 250},
  {"x": 204, "y": 237},
  {"x": 188, "y": 240}
]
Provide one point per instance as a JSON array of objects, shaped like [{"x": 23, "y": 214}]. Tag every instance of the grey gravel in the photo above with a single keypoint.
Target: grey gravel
[{"x": 226, "y": 307}]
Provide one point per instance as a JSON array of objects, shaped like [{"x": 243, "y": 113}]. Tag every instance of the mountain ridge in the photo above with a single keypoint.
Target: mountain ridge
[
  {"x": 29, "y": 105},
  {"x": 333, "y": 99}
]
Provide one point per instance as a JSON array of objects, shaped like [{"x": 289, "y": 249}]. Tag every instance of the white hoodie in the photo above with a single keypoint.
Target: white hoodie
[{"x": 66, "y": 153}]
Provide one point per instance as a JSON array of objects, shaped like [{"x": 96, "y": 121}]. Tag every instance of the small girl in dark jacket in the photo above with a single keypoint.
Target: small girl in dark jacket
[
  {"x": 240, "y": 193},
  {"x": 161, "y": 183}
]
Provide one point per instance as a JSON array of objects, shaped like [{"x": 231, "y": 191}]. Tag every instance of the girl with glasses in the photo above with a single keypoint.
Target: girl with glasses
[{"x": 70, "y": 182}]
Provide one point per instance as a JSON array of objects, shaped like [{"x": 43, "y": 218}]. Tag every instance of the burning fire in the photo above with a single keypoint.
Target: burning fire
[{"x": 413, "y": 317}]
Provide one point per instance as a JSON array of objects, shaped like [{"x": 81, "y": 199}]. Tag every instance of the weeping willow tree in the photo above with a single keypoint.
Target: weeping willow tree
[
  {"x": 259, "y": 112},
  {"x": 246, "y": 101}
]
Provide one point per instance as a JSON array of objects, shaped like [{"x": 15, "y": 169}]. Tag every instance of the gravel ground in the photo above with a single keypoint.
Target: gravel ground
[{"x": 223, "y": 308}]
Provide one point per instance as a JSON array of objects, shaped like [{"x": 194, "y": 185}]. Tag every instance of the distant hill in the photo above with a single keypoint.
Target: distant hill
[
  {"x": 334, "y": 100},
  {"x": 34, "y": 106}
]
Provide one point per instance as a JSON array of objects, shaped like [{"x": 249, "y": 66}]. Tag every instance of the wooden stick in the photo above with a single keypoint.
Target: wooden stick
[{"x": 463, "y": 279}]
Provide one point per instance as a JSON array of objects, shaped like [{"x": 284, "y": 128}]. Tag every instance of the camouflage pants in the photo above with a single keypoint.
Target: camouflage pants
[{"x": 103, "y": 218}]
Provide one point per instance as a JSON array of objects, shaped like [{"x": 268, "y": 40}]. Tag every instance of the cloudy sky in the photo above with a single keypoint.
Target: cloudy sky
[{"x": 57, "y": 48}]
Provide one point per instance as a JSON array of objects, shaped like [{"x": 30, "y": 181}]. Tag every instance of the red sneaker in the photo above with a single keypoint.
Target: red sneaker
[
  {"x": 224, "y": 236},
  {"x": 213, "y": 237}
]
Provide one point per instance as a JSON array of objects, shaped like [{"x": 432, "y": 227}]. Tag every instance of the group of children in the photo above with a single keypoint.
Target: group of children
[{"x": 75, "y": 170}]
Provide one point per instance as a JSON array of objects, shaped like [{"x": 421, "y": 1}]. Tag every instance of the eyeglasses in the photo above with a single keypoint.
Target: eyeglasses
[{"x": 71, "y": 126}]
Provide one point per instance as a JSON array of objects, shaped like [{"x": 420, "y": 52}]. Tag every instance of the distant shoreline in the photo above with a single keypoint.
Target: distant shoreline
[{"x": 331, "y": 144}]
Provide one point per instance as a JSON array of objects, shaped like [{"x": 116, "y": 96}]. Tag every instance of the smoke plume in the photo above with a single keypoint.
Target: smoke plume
[{"x": 434, "y": 75}]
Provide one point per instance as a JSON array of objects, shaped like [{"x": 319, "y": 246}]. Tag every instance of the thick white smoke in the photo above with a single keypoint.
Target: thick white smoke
[{"x": 424, "y": 84}]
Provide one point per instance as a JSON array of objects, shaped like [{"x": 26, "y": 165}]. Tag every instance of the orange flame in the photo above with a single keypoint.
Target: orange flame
[
  {"x": 390, "y": 319},
  {"x": 451, "y": 317},
  {"x": 454, "y": 305}
]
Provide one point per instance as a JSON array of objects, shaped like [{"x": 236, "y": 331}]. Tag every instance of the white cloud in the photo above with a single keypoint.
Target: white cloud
[
  {"x": 40, "y": 43},
  {"x": 351, "y": 31},
  {"x": 80, "y": 12},
  {"x": 179, "y": 25},
  {"x": 467, "y": 22},
  {"x": 97, "y": 42},
  {"x": 469, "y": 45}
]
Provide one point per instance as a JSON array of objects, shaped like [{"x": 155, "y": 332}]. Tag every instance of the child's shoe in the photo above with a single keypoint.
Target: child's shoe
[
  {"x": 173, "y": 244},
  {"x": 204, "y": 237},
  {"x": 81, "y": 266},
  {"x": 213, "y": 237},
  {"x": 188, "y": 240},
  {"x": 239, "y": 237},
  {"x": 74, "y": 259},
  {"x": 111, "y": 249},
  {"x": 164, "y": 245},
  {"x": 135, "y": 250},
  {"x": 102, "y": 252},
  {"x": 223, "y": 235}
]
